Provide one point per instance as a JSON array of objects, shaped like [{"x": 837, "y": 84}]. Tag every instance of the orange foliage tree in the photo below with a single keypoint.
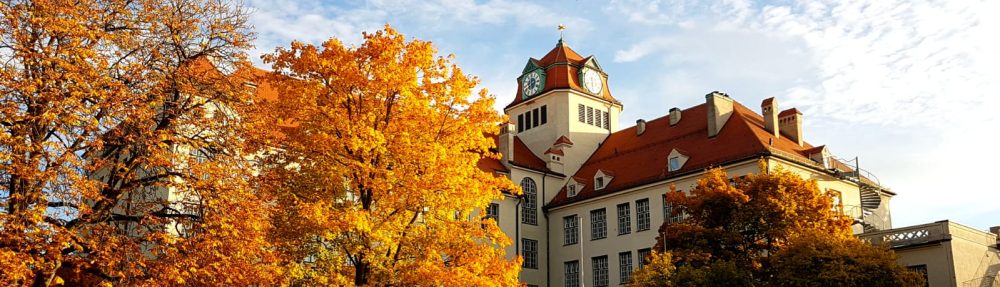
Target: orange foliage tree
[
  {"x": 119, "y": 145},
  {"x": 756, "y": 230},
  {"x": 372, "y": 158}
]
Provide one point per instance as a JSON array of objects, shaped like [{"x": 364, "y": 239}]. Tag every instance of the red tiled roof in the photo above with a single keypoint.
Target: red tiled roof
[
  {"x": 563, "y": 140},
  {"x": 788, "y": 112},
  {"x": 767, "y": 102},
  {"x": 638, "y": 160},
  {"x": 554, "y": 151},
  {"x": 561, "y": 65},
  {"x": 523, "y": 157}
]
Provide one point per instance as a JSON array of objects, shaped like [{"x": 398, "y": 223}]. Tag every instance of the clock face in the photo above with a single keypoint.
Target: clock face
[
  {"x": 592, "y": 81},
  {"x": 531, "y": 83}
]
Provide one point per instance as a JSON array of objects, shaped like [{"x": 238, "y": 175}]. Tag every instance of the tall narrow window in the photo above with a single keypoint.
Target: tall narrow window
[
  {"x": 520, "y": 123},
  {"x": 534, "y": 117},
  {"x": 590, "y": 116},
  {"x": 529, "y": 211},
  {"x": 624, "y": 266},
  {"x": 624, "y": 219},
  {"x": 545, "y": 115},
  {"x": 668, "y": 212},
  {"x": 606, "y": 121},
  {"x": 597, "y": 118},
  {"x": 571, "y": 229},
  {"x": 527, "y": 120},
  {"x": 643, "y": 257},
  {"x": 530, "y": 253},
  {"x": 598, "y": 224},
  {"x": 642, "y": 214},
  {"x": 571, "y": 272},
  {"x": 600, "y": 264},
  {"x": 582, "y": 113}
]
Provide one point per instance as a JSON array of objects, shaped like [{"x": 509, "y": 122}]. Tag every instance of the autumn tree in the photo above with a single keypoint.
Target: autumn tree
[
  {"x": 814, "y": 259},
  {"x": 735, "y": 229},
  {"x": 372, "y": 159},
  {"x": 120, "y": 157}
]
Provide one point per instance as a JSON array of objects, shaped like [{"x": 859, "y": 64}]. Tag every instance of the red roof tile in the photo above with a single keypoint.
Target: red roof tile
[
  {"x": 638, "y": 160},
  {"x": 563, "y": 140},
  {"x": 767, "y": 102},
  {"x": 555, "y": 151},
  {"x": 788, "y": 112},
  {"x": 523, "y": 157}
]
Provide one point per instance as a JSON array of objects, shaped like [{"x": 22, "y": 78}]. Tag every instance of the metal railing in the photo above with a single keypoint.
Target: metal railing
[{"x": 913, "y": 235}]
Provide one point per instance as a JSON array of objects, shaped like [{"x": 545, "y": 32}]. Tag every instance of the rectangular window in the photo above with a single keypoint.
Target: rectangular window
[
  {"x": 606, "y": 121},
  {"x": 571, "y": 272},
  {"x": 520, "y": 123},
  {"x": 922, "y": 269},
  {"x": 668, "y": 211},
  {"x": 493, "y": 212},
  {"x": 571, "y": 229},
  {"x": 534, "y": 117},
  {"x": 527, "y": 120},
  {"x": 545, "y": 115},
  {"x": 624, "y": 266},
  {"x": 590, "y": 116},
  {"x": 642, "y": 214},
  {"x": 624, "y": 219},
  {"x": 600, "y": 264},
  {"x": 582, "y": 113},
  {"x": 598, "y": 224},
  {"x": 599, "y": 183},
  {"x": 530, "y": 253},
  {"x": 643, "y": 255}
]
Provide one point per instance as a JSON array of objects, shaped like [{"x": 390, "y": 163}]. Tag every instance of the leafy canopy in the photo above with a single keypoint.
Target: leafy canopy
[{"x": 375, "y": 163}]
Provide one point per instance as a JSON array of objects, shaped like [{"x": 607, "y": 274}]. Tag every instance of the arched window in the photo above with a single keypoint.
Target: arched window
[{"x": 529, "y": 210}]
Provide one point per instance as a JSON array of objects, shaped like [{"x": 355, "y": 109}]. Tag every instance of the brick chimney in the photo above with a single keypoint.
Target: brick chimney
[
  {"x": 506, "y": 145},
  {"x": 640, "y": 127},
  {"x": 675, "y": 116},
  {"x": 769, "y": 109},
  {"x": 790, "y": 124},
  {"x": 720, "y": 107}
]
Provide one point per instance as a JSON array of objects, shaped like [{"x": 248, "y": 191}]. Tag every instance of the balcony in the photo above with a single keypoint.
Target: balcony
[{"x": 909, "y": 236}]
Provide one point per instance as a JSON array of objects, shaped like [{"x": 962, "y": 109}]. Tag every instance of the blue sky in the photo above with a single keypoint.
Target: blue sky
[{"x": 909, "y": 87}]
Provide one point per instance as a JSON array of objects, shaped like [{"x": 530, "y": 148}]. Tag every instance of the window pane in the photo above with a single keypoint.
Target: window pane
[
  {"x": 529, "y": 210},
  {"x": 571, "y": 271},
  {"x": 643, "y": 256},
  {"x": 545, "y": 115},
  {"x": 624, "y": 219},
  {"x": 598, "y": 224},
  {"x": 520, "y": 123},
  {"x": 624, "y": 266},
  {"x": 570, "y": 229},
  {"x": 530, "y": 253},
  {"x": 642, "y": 214},
  {"x": 600, "y": 265},
  {"x": 534, "y": 117}
]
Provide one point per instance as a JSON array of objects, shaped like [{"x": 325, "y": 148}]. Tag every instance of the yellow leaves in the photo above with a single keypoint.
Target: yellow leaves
[{"x": 386, "y": 145}]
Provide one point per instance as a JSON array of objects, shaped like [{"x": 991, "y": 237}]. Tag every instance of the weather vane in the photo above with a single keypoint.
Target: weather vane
[{"x": 561, "y": 28}]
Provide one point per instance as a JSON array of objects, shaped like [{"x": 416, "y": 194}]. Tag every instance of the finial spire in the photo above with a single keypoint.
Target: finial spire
[{"x": 561, "y": 28}]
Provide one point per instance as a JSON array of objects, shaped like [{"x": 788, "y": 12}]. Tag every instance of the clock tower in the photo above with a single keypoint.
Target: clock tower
[{"x": 563, "y": 109}]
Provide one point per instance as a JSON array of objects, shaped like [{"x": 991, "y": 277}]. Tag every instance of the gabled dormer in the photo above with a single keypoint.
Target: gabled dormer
[
  {"x": 602, "y": 179},
  {"x": 676, "y": 159},
  {"x": 821, "y": 155},
  {"x": 573, "y": 186}
]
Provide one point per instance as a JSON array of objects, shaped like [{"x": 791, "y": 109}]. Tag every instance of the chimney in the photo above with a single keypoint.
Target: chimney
[
  {"x": 720, "y": 107},
  {"x": 640, "y": 127},
  {"x": 769, "y": 110},
  {"x": 506, "y": 145},
  {"x": 790, "y": 124},
  {"x": 675, "y": 116}
]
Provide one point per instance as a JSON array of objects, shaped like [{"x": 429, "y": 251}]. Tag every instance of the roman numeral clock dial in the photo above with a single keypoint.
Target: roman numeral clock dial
[{"x": 532, "y": 83}]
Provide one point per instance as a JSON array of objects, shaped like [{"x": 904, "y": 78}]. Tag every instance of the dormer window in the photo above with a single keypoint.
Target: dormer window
[
  {"x": 675, "y": 163},
  {"x": 601, "y": 179},
  {"x": 676, "y": 160}
]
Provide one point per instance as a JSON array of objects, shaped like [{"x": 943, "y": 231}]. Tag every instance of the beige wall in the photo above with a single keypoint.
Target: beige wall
[{"x": 614, "y": 243}]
